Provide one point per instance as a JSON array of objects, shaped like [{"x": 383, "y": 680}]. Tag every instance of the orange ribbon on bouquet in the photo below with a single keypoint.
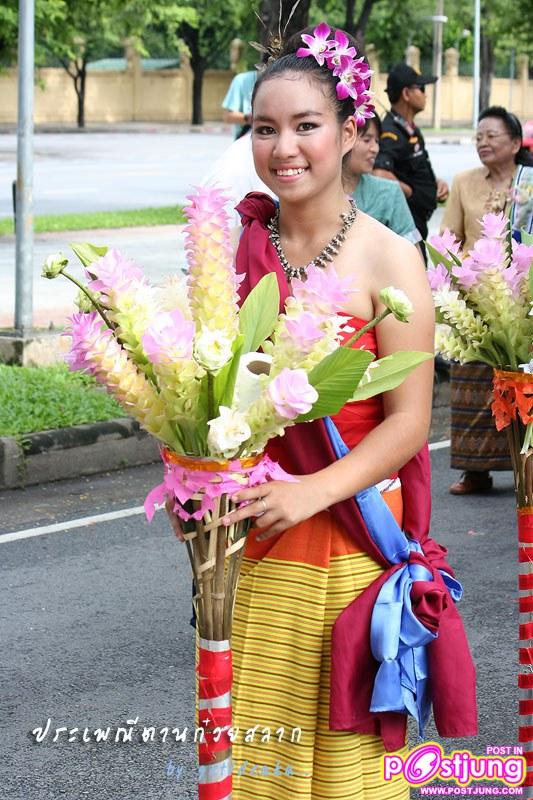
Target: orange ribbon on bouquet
[{"x": 513, "y": 394}]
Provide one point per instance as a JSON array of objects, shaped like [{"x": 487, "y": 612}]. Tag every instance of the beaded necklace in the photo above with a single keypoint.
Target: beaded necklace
[{"x": 325, "y": 256}]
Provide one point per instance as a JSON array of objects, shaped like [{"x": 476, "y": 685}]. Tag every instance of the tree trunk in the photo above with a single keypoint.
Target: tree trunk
[
  {"x": 198, "y": 69},
  {"x": 80, "y": 80},
  {"x": 362, "y": 22},
  {"x": 487, "y": 70},
  {"x": 349, "y": 22},
  {"x": 271, "y": 27},
  {"x": 192, "y": 39}
]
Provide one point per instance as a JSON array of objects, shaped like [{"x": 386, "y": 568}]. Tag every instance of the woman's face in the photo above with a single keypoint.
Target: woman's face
[
  {"x": 494, "y": 144},
  {"x": 364, "y": 151},
  {"x": 297, "y": 141}
]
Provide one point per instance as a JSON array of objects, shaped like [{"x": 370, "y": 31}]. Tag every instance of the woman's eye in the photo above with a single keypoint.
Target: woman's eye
[
  {"x": 264, "y": 130},
  {"x": 307, "y": 126}
]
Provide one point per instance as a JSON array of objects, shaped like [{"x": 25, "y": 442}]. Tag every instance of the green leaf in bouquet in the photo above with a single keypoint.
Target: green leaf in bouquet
[
  {"x": 448, "y": 261},
  {"x": 224, "y": 380},
  {"x": 259, "y": 313},
  {"x": 87, "y": 253},
  {"x": 335, "y": 379},
  {"x": 389, "y": 372},
  {"x": 526, "y": 238}
]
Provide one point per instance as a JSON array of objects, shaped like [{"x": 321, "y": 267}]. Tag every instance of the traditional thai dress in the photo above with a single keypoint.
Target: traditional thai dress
[{"x": 300, "y": 640}]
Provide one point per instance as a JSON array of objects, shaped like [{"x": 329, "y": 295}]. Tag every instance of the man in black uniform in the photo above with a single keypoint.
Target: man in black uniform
[{"x": 402, "y": 151}]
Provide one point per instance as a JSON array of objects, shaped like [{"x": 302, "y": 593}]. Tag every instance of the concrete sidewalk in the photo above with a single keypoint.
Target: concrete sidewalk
[{"x": 159, "y": 250}]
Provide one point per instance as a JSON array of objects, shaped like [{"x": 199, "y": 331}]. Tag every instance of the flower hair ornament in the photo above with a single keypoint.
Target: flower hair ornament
[{"x": 353, "y": 73}]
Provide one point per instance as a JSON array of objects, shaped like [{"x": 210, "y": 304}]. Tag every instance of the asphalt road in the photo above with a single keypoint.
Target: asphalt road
[{"x": 94, "y": 626}]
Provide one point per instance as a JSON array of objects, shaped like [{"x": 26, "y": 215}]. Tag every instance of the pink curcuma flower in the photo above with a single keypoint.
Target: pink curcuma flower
[
  {"x": 88, "y": 331},
  {"x": 207, "y": 200},
  {"x": 291, "y": 393},
  {"x": 113, "y": 273},
  {"x": 169, "y": 338},
  {"x": 438, "y": 277},
  {"x": 467, "y": 274},
  {"x": 488, "y": 254},
  {"x": 518, "y": 270},
  {"x": 212, "y": 282},
  {"x": 494, "y": 226},
  {"x": 305, "y": 330},
  {"x": 323, "y": 292},
  {"x": 446, "y": 243},
  {"x": 318, "y": 44},
  {"x": 522, "y": 256}
]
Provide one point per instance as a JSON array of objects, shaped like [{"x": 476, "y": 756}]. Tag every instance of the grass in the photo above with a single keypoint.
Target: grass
[
  {"x": 42, "y": 398},
  {"x": 166, "y": 215}
]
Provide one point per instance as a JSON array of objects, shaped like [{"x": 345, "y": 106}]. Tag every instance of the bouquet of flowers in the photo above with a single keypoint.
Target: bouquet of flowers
[
  {"x": 483, "y": 301},
  {"x": 213, "y": 382},
  {"x": 484, "y": 304}
]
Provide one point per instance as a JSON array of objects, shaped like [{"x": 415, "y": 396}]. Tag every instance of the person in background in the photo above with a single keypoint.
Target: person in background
[
  {"x": 476, "y": 446},
  {"x": 402, "y": 151},
  {"x": 237, "y": 105},
  {"x": 381, "y": 199}
]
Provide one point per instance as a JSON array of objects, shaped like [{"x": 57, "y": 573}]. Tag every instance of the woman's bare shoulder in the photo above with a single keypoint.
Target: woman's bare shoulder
[{"x": 384, "y": 251}]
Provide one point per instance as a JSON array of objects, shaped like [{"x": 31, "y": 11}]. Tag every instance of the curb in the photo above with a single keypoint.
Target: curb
[{"x": 73, "y": 452}]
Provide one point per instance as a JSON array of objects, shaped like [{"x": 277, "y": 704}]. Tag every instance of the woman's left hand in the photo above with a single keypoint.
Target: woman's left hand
[{"x": 277, "y": 505}]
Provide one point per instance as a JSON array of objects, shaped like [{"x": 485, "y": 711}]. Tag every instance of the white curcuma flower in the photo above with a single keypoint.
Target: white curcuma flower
[
  {"x": 227, "y": 432},
  {"x": 397, "y": 302},
  {"x": 212, "y": 349}
]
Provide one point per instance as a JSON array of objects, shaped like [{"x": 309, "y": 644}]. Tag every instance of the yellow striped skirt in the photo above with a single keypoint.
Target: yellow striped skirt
[{"x": 292, "y": 589}]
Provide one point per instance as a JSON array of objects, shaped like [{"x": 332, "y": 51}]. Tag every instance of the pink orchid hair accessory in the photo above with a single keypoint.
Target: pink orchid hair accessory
[{"x": 353, "y": 74}]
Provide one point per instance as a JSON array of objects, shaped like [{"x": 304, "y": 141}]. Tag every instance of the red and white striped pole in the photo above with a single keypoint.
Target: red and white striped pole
[
  {"x": 525, "y": 652},
  {"x": 214, "y": 716}
]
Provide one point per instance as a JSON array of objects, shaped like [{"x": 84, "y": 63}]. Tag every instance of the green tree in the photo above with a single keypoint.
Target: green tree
[
  {"x": 45, "y": 11},
  {"x": 206, "y": 37},
  {"x": 85, "y": 30}
]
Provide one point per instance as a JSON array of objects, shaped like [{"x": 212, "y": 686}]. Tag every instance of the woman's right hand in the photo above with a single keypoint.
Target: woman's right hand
[{"x": 175, "y": 523}]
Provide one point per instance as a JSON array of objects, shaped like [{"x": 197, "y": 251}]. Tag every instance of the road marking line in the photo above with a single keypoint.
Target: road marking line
[
  {"x": 440, "y": 445},
  {"x": 71, "y": 524},
  {"x": 82, "y": 522}
]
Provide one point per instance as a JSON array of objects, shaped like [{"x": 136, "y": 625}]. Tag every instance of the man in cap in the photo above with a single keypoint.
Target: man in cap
[{"x": 402, "y": 152}]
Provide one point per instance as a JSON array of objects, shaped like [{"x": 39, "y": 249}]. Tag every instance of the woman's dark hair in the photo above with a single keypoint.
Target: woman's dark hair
[
  {"x": 375, "y": 120},
  {"x": 513, "y": 128},
  {"x": 289, "y": 62}
]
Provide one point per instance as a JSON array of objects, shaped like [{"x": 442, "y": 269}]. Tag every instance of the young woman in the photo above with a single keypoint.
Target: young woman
[
  {"x": 312, "y": 565},
  {"x": 379, "y": 198}
]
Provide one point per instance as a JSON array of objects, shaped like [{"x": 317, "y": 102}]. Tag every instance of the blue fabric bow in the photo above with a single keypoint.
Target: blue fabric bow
[{"x": 398, "y": 639}]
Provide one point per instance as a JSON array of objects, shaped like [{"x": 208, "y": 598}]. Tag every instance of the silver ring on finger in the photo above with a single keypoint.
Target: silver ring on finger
[{"x": 265, "y": 507}]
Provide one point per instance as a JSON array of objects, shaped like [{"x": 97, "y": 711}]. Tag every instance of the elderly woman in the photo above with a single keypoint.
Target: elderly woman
[{"x": 477, "y": 448}]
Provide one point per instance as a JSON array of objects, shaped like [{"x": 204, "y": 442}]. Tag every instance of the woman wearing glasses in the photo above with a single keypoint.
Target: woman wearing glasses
[{"x": 477, "y": 448}]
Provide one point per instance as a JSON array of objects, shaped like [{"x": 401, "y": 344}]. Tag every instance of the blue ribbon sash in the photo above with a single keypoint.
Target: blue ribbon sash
[{"x": 398, "y": 639}]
